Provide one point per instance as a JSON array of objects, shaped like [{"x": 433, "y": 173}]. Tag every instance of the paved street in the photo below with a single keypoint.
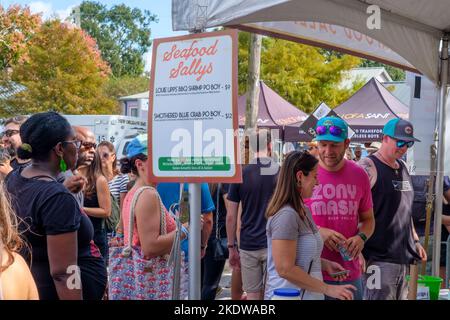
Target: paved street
[{"x": 225, "y": 284}]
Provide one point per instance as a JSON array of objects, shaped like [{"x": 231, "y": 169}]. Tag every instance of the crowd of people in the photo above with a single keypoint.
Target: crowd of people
[{"x": 315, "y": 222}]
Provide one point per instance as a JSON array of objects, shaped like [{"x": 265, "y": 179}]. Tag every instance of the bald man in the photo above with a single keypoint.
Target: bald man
[{"x": 86, "y": 153}]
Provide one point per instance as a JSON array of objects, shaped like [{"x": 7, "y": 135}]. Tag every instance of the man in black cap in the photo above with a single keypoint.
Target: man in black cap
[{"x": 395, "y": 244}]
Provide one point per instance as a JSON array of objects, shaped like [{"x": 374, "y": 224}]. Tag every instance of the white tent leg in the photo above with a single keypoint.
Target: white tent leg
[{"x": 440, "y": 158}]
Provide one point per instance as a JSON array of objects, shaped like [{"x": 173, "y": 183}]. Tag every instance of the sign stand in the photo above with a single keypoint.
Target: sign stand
[
  {"x": 192, "y": 122},
  {"x": 194, "y": 241}
]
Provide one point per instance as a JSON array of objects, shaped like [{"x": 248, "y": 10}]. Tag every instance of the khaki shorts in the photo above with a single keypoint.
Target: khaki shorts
[{"x": 253, "y": 269}]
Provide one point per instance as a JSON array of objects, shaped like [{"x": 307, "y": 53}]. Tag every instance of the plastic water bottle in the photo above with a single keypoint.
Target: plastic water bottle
[
  {"x": 344, "y": 253},
  {"x": 286, "y": 294}
]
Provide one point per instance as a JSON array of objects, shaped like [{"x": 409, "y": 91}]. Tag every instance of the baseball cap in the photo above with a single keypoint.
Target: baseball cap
[
  {"x": 137, "y": 146},
  {"x": 331, "y": 129},
  {"x": 400, "y": 129}
]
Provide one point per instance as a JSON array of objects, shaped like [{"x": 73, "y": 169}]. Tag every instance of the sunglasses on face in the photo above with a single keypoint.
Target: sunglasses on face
[
  {"x": 401, "y": 144},
  {"x": 9, "y": 133},
  {"x": 76, "y": 143},
  {"x": 89, "y": 145},
  {"x": 333, "y": 130}
]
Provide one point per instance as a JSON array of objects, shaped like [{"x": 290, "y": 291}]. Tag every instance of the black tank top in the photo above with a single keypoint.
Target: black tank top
[{"x": 392, "y": 196}]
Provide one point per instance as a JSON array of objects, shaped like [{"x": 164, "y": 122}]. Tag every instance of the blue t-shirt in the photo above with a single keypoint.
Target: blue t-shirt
[{"x": 170, "y": 194}]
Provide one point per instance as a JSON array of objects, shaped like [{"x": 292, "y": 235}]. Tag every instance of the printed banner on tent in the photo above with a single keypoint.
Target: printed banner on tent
[{"x": 331, "y": 36}]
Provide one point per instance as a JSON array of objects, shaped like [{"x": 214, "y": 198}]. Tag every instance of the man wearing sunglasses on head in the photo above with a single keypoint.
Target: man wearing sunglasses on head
[
  {"x": 341, "y": 204},
  {"x": 394, "y": 244},
  {"x": 12, "y": 141}
]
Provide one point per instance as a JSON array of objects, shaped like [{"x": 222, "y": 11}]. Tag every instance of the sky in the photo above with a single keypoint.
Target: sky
[{"x": 62, "y": 8}]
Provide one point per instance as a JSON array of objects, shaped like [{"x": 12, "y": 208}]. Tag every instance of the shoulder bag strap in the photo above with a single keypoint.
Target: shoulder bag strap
[
  {"x": 309, "y": 271},
  {"x": 163, "y": 227},
  {"x": 217, "y": 210}
]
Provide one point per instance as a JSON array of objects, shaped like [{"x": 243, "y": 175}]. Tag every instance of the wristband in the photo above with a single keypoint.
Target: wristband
[
  {"x": 416, "y": 241},
  {"x": 231, "y": 246},
  {"x": 362, "y": 236}
]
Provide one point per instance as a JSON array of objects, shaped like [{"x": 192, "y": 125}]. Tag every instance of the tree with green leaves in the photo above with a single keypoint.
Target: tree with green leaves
[
  {"x": 122, "y": 34},
  {"x": 64, "y": 72},
  {"x": 303, "y": 75},
  {"x": 126, "y": 86},
  {"x": 17, "y": 26}
]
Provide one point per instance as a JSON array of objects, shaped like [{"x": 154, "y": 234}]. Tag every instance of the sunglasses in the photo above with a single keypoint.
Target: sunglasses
[
  {"x": 333, "y": 130},
  {"x": 9, "y": 133},
  {"x": 76, "y": 143},
  {"x": 401, "y": 144},
  {"x": 89, "y": 145}
]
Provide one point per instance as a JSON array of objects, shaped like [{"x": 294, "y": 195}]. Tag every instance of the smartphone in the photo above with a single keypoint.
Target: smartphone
[
  {"x": 184, "y": 207},
  {"x": 339, "y": 273}
]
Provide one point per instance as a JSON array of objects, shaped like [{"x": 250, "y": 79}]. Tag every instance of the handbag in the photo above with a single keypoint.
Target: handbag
[
  {"x": 113, "y": 220},
  {"x": 131, "y": 275},
  {"x": 219, "y": 245}
]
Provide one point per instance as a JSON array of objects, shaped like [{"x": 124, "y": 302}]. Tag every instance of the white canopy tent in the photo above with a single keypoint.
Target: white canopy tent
[
  {"x": 417, "y": 30},
  {"x": 412, "y": 28}
]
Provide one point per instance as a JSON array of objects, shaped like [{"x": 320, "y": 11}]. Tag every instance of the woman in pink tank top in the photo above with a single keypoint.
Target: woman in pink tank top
[{"x": 148, "y": 208}]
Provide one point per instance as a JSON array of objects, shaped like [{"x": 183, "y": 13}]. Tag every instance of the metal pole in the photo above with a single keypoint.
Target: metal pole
[
  {"x": 440, "y": 157},
  {"x": 194, "y": 241}
]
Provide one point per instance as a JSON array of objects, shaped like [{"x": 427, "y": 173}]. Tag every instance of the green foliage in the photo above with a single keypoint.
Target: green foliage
[
  {"x": 126, "y": 86},
  {"x": 303, "y": 75},
  {"x": 17, "y": 26},
  {"x": 64, "y": 72},
  {"x": 122, "y": 35}
]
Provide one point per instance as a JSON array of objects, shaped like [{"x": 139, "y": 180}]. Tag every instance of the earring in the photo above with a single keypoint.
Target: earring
[
  {"x": 62, "y": 165},
  {"x": 299, "y": 184}
]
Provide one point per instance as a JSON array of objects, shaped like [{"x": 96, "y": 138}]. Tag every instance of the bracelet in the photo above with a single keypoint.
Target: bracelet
[
  {"x": 231, "y": 246},
  {"x": 416, "y": 241},
  {"x": 363, "y": 236}
]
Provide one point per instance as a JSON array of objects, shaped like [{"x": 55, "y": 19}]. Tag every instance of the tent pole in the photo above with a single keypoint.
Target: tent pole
[
  {"x": 253, "y": 87},
  {"x": 440, "y": 157}
]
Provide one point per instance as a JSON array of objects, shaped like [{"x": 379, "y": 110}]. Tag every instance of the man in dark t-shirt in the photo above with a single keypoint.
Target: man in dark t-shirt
[{"x": 259, "y": 179}]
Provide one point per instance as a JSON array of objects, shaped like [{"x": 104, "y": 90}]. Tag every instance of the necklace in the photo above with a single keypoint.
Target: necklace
[{"x": 387, "y": 163}]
